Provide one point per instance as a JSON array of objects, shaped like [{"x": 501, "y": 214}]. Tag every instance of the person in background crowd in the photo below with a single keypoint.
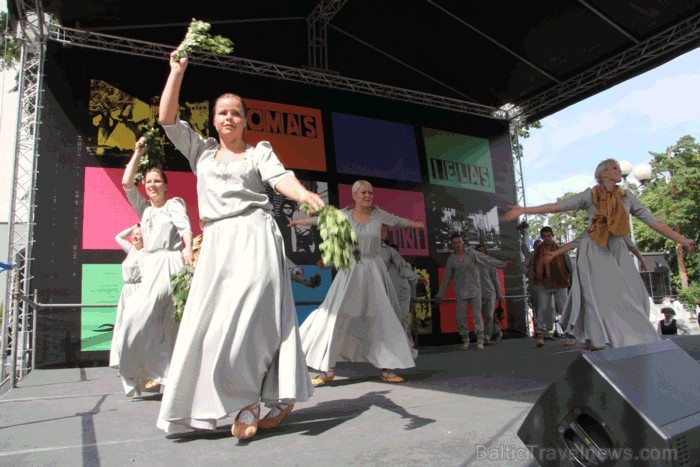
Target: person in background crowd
[
  {"x": 677, "y": 306},
  {"x": 669, "y": 326},
  {"x": 553, "y": 279},
  {"x": 532, "y": 290},
  {"x": 490, "y": 297},
  {"x": 461, "y": 268}
]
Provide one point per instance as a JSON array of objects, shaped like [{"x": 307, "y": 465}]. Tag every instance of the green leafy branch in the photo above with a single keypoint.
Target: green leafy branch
[
  {"x": 154, "y": 155},
  {"x": 180, "y": 284},
  {"x": 198, "y": 39},
  {"x": 339, "y": 238}
]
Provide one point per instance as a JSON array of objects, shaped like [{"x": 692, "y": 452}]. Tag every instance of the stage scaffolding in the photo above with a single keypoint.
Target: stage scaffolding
[
  {"x": 34, "y": 29},
  {"x": 17, "y": 322}
]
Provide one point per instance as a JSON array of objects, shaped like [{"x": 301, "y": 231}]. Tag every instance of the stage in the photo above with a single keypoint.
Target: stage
[{"x": 455, "y": 408}]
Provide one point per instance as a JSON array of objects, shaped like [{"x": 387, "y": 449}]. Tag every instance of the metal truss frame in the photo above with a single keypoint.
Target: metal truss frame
[
  {"x": 317, "y": 23},
  {"x": 676, "y": 37},
  {"x": 18, "y": 323},
  {"x": 94, "y": 40}
]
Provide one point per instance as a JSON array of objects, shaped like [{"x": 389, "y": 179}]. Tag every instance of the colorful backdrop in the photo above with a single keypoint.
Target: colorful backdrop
[{"x": 452, "y": 171}]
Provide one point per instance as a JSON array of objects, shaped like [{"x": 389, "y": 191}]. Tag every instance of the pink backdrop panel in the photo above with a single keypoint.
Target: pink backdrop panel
[
  {"x": 106, "y": 211},
  {"x": 407, "y": 204}
]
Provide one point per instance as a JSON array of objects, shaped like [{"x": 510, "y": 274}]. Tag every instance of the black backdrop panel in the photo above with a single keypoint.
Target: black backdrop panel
[{"x": 68, "y": 148}]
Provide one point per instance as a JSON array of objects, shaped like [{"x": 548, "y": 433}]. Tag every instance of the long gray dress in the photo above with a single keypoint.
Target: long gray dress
[
  {"x": 403, "y": 279},
  {"x": 148, "y": 328},
  {"x": 608, "y": 303},
  {"x": 131, "y": 275},
  {"x": 356, "y": 321},
  {"x": 239, "y": 339}
]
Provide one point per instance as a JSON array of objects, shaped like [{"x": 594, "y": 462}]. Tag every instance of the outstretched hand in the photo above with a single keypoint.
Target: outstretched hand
[
  {"x": 546, "y": 257},
  {"x": 514, "y": 211},
  {"x": 312, "y": 199},
  {"x": 690, "y": 246},
  {"x": 304, "y": 221}
]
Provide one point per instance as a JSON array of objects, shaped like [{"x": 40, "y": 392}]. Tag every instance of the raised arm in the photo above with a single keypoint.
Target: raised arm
[
  {"x": 548, "y": 256},
  {"x": 515, "y": 211},
  {"x": 668, "y": 232},
  {"x": 132, "y": 167},
  {"x": 121, "y": 240},
  {"x": 305, "y": 221},
  {"x": 169, "y": 99}
]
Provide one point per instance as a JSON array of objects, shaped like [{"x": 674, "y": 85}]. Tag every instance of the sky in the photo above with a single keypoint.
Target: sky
[{"x": 645, "y": 114}]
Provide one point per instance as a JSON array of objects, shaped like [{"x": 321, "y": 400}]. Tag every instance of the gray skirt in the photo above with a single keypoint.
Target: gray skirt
[{"x": 608, "y": 303}]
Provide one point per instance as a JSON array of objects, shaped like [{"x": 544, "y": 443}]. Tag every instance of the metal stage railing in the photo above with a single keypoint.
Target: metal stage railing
[
  {"x": 15, "y": 365},
  {"x": 23, "y": 360}
]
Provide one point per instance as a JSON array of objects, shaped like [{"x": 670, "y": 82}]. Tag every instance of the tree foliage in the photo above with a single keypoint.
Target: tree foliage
[
  {"x": 10, "y": 44},
  {"x": 672, "y": 196},
  {"x": 565, "y": 225}
]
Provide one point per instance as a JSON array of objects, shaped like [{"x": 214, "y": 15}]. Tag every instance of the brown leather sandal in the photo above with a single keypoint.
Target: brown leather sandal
[
  {"x": 242, "y": 430},
  {"x": 271, "y": 422}
]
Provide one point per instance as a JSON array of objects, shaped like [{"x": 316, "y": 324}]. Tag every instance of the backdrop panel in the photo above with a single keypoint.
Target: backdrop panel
[{"x": 454, "y": 172}]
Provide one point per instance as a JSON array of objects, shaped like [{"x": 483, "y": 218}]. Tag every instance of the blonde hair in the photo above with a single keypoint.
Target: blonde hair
[
  {"x": 600, "y": 168},
  {"x": 356, "y": 186}
]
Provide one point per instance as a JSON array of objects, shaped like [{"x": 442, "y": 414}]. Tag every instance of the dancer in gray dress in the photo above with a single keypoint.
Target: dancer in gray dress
[
  {"x": 608, "y": 303},
  {"x": 131, "y": 275},
  {"x": 356, "y": 321},
  {"x": 404, "y": 280},
  {"x": 149, "y": 329},
  {"x": 239, "y": 339},
  {"x": 548, "y": 257}
]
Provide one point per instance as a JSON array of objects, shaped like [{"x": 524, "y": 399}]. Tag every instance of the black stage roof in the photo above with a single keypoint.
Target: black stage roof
[{"x": 477, "y": 56}]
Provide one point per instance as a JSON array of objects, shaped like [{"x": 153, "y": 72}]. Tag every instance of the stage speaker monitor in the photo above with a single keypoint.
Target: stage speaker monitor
[{"x": 635, "y": 405}]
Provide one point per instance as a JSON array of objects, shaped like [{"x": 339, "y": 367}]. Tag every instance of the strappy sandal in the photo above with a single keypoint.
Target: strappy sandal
[
  {"x": 271, "y": 422},
  {"x": 390, "y": 377},
  {"x": 151, "y": 386},
  {"x": 322, "y": 379},
  {"x": 243, "y": 431}
]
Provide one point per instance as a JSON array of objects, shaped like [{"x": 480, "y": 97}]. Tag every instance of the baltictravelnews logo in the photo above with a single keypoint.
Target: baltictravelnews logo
[{"x": 457, "y": 160}]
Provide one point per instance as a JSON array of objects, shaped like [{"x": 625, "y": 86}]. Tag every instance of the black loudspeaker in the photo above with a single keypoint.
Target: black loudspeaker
[
  {"x": 691, "y": 344},
  {"x": 635, "y": 405}
]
